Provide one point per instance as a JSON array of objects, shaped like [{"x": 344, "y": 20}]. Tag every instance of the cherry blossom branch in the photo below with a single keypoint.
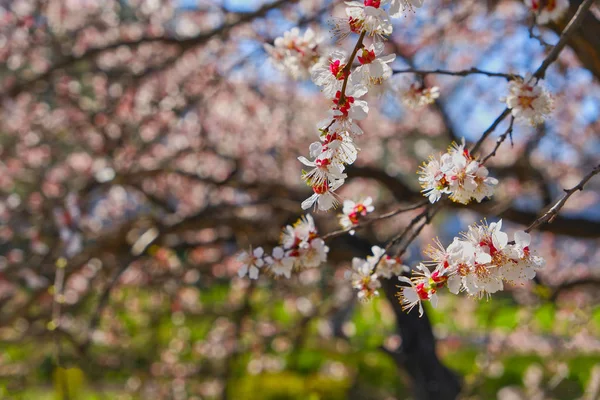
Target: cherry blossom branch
[
  {"x": 564, "y": 37},
  {"x": 490, "y": 130},
  {"x": 465, "y": 72},
  {"x": 348, "y": 67},
  {"x": 400, "y": 237},
  {"x": 428, "y": 218},
  {"x": 541, "y": 71},
  {"x": 371, "y": 221},
  {"x": 501, "y": 139},
  {"x": 554, "y": 210}
]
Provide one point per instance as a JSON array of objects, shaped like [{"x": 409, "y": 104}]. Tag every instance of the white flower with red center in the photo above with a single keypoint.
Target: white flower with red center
[
  {"x": 417, "y": 96},
  {"x": 280, "y": 264},
  {"x": 369, "y": 17},
  {"x": 528, "y": 102},
  {"x": 352, "y": 211},
  {"x": 347, "y": 110},
  {"x": 480, "y": 274},
  {"x": 295, "y": 236},
  {"x": 349, "y": 107},
  {"x": 251, "y": 263},
  {"x": 522, "y": 264},
  {"x": 423, "y": 286},
  {"x": 385, "y": 265},
  {"x": 547, "y": 10},
  {"x": 341, "y": 145},
  {"x": 458, "y": 174},
  {"x": 325, "y": 169},
  {"x": 433, "y": 180},
  {"x": 330, "y": 72},
  {"x": 399, "y": 6},
  {"x": 374, "y": 68},
  {"x": 295, "y": 54},
  {"x": 363, "y": 279},
  {"x": 313, "y": 254},
  {"x": 324, "y": 197},
  {"x": 479, "y": 264}
]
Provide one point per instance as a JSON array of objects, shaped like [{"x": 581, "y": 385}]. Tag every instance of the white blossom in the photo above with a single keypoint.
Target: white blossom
[
  {"x": 329, "y": 73},
  {"x": 479, "y": 263},
  {"x": 528, "y": 102},
  {"x": 280, "y": 264},
  {"x": 324, "y": 196},
  {"x": 457, "y": 174},
  {"x": 374, "y": 68},
  {"x": 352, "y": 211},
  {"x": 369, "y": 17},
  {"x": 363, "y": 279},
  {"x": 251, "y": 263},
  {"x": 398, "y": 6},
  {"x": 417, "y": 95},
  {"x": 295, "y": 54},
  {"x": 547, "y": 10}
]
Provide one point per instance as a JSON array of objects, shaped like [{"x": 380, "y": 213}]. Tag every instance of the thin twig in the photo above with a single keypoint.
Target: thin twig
[
  {"x": 500, "y": 140},
  {"x": 490, "y": 130},
  {"x": 372, "y": 220},
  {"x": 541, "y": 71},
  {"x": 553, "y": 211},
  {"x": 465, "y": 72},
  {"x": 428, "y": 217}
]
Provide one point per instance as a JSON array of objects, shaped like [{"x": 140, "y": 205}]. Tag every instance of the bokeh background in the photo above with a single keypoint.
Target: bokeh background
[{"x": 144, "y": 143}]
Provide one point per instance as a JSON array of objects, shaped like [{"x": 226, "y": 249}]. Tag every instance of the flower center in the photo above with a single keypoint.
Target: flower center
[
  {"x": 373, "y": 3},
  {"x": 337, "y": 69},
  {"x": 355, "y": 25},
  {"x": 322, "y": 188},
  {"x": 526, "y": 101},
  {"x": 368, "y": 56}
]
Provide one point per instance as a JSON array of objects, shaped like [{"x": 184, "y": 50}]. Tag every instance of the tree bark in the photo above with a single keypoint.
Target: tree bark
[{"x": 431, "y": 380}]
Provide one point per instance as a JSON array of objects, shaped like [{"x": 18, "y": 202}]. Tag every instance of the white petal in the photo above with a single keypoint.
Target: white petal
[
  {"x": 253, "y": 273},
  {"x": 278, "y": 252},
  {"x": 306, "y": 161},
  {"x": 522, "y": 238},
  {"x": 306, "y": 204},
  {"x": 434, "y": 300},
  {"x": 454, "y": 284}
]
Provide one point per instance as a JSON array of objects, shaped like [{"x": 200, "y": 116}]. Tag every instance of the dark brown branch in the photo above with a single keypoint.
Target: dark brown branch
[
  {"x": 564, "y": 38},
  {"x": 501, "y": 139},
  {"x": 465, "y": 72},
  {"x": 490, "y": 130}
]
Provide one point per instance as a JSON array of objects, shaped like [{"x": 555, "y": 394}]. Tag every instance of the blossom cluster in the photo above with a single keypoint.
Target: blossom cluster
[
  {"x": 353, "y": 211},
  {"x": 418, "y": 95},
  {"x": 300, "y": 248},
  {"x": 458, "y": 174},
  {"x": 547, "y": 10},
  {"x": 366, "y": 273},
  {"x": 345, "y": 87},
  {"x": 528, "y": 102},
  {"x": 295, "y": 54},
  {"x": 478, "y": 263}
]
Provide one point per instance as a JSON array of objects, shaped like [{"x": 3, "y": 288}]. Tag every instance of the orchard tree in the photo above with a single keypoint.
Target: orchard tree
[{"x": 166, "y": 234}]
